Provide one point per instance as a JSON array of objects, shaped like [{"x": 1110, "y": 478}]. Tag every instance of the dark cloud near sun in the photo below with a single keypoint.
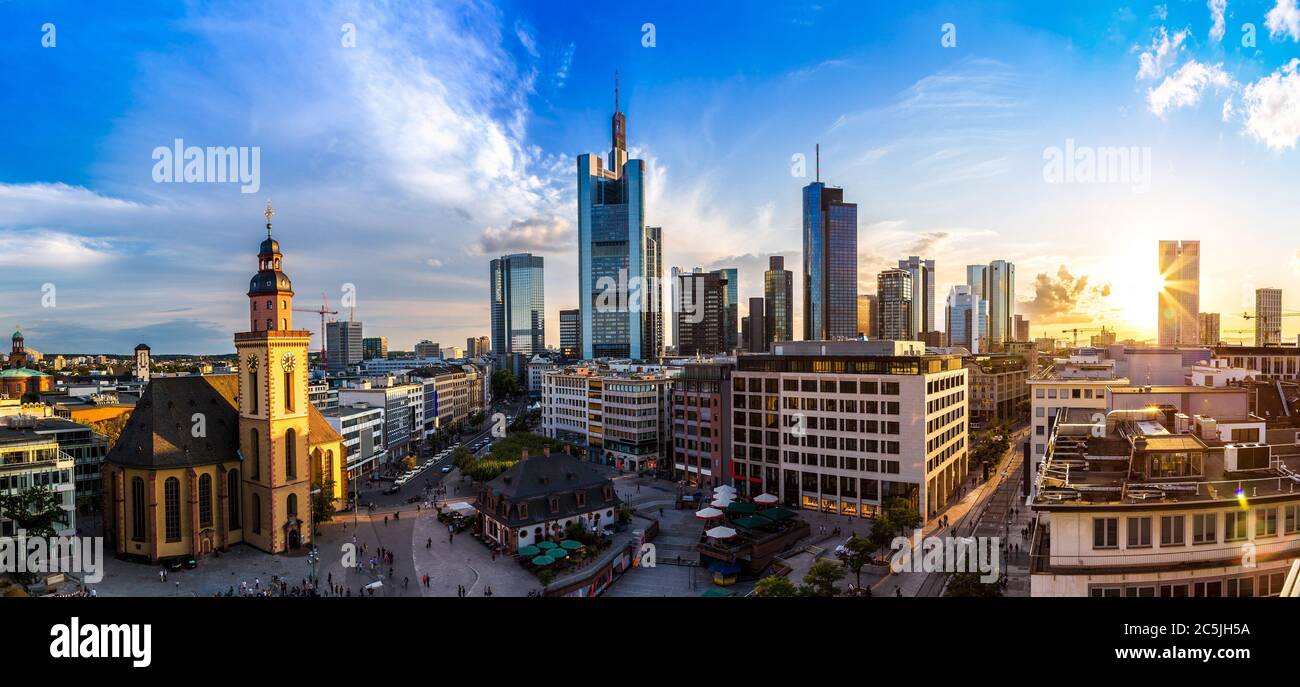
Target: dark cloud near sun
[
  {"x": 534, "y": 233},
  {"x": 1059, "y": 298}
]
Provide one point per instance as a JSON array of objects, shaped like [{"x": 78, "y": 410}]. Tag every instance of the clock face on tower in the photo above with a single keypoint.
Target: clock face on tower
[
  {"x": 287, "y": 362},
  {"x": 252, "y": 362}
]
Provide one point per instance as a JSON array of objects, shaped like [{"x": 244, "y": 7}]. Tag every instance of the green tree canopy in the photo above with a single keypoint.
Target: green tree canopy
[
  {"x": 775, "y": 586},
  {"x": 822, "y": 579}
]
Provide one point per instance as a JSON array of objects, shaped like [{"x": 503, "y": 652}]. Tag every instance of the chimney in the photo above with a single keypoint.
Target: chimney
[
  {"x": 546, "y": 451},
  {"x": 523, "y": 455}
]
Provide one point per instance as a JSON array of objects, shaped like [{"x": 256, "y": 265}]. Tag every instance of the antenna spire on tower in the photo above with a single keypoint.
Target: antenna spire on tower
[
  {"x": 616, "y": 90},
  {"x": 270, "y": 212},
  {"x": 818, "y": 157}
]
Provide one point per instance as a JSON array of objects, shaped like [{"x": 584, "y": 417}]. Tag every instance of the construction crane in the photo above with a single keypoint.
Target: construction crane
[
  {"x": 1076, "y": 331},
  {"x": 322, "y": 311},
  {"x": 1265, "y": 320}
]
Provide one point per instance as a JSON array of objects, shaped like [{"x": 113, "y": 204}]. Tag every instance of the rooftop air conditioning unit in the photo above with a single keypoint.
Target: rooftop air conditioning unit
[{"x": 1243, "y": 457}]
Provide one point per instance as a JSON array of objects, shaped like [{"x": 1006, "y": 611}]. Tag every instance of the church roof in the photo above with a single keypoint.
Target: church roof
[
  {"x": 536, "y": 480},
  {"x": 160, "y": 435},
  {"x": 21, "y": 372}
]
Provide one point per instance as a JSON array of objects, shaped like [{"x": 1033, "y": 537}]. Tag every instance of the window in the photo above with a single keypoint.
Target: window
[
  {"x": 290, "y": 454},
  {"x": 1265, "y": 522},
  {"x": 257, "y": 514},
  {"x": 288, "y": 391},
  {"x": 255, "y": 453},
  {"x": 1234, "y": 525},
  {"x": 1291, "y": 521},
  {"x": 232, "y": 496},
  {"x": 291, "y": 505},
  {"x": 1172, "y": 530},
  {"x": 1139, "y": 533},
  {"x": 205, "y": 500},
  {"x": 138, "y": 530},
  {"x": 1105, "y": 533},
  {"x": 172, "y": 508},
  {"x": 1204, "y": 528},
  {"x": 252, "y": 392}
]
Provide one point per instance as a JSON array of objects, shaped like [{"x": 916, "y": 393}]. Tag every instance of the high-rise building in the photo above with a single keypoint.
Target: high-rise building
[
  {"x": 1020, "y": 325},
  {"x": 701, "y": 410},
  {"x": 967, "y": 319},
  {"x": 894, "y": 291},
  {"x": 620, "y": 259},
  {"x": 975, "y": 279},
  {"x": 343, "y": 344},
  {"x": 624, "y": 418},
  {"x": 1268, "y": 317},
  {"x": 1180, "y": 298},
  {"x": 571, "y": 333},
  {"x": 374, "y": 347},
  {"x": 922, "y": 272},
  {"x": 778, "y": 300},
  {"x": 868, "y": 305},
  {"x": 731, "y": 306},
  {"x": 830, "y": 263},
  {"x": 1000, "y": 292},
  {"x": 1208, "y": 326},
  {"x": 700, "y": 313},
  {"x": 518, "y": 304},
  {"x": 756, "y": 341}
]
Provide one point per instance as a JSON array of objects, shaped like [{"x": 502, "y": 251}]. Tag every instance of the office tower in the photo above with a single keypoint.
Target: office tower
[
  {"x": 922, "y": 272},
  {"x": 732, "y": 305},
  {"x": 571, "y": 333},
  {"x": 1021, "y": 326},
  {"x": 975, "y": 279},
  {"x": 894, "y": 292},
  {"x": 700, "y": 312},
  {"x": 374, "y": 347},
  {"x": 967, "y": 318},
  {"x": 1208, "y": 328},
  {"x": 867, "y": 307},
  {"x": 483, "y": 345},
  {"x": 1000, "y": 292},
  {"x": 620, "y": 259},
  {"x": 476, "y": 346},
  {"x": 343, "y": 344},
  {"x": 757, "y": 340},
  {"x": 518, "y": 304},
  {"x": 830, "y": 263},
  {"x": 428, "y": 349},
  {"x": 1180, "y": 298},
  {"x": 778, "y": 300},
  {"x": 1268, "y": 317}
]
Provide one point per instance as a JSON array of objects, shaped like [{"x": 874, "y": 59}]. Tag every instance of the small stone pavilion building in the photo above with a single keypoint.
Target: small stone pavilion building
[{"x": 537, "y": 499}]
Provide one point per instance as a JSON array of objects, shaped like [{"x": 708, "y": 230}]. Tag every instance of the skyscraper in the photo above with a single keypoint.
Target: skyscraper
[
  {"x": 374, "y": 347},
  {"x": 868, "y": 305},
  {"x": 757, "y": 337},
  {"x": 731, "y": 306},
  {"x": 1020, "y": 325},
  {"x": 894, "y": 291},
  {"x": 518, "y": 304},
  {"x": 1000, "y": 292},
  {"x": 701, "y": 316},
  {"x": 967, "y": 318},
  {"x": 1208, "y": 324},
  {"x": 571, "y": 333},
  {"x": 975, "y": 279},
  {"x": 1180, "y": 298},
  {"x": 922, "y": 272},
  {"x": 830, "y": 263},
  {"x": 778, "y": 300},
  {"x": 1268, "y": 317},
  {"x": 620, "y": 259},
  {"x": 343, "y": 345}
]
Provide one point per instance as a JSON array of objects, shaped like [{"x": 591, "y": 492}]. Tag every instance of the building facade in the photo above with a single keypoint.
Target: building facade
[
  {"x": 894, "y": 292},
  {"x": 27, "y": 460},
  {"x": 1268, "y": 317},
  {"x": 842, "y": 427},
  {"x": 830, "y": 264},
  {"x": 701, "y": 411},
  {"x": 571, "y": 334},
  {"x": 374, "y": 347},
  {"x": 1000, "y": 292},
  {"x": 967, "y": 319},
  {"x": 923, "y": 278},
  {"x": 868, "y": 307},
  {"x": 701, "y": 313},
  {"x": 518, "y": 304},
  {"x": 622, "y": 418},
  {"x": 343, "y": 345},
  {"x": 1208, "y": 328},
  {"x": 998, "y": 387},
  {"x": 778, "y": 300},
  {"x": 1180, "y": 298}
]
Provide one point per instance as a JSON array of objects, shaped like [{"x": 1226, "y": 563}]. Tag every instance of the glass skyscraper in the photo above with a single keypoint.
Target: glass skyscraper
[
  {"x": 830, "y": 264},
  {"x": 518, "y": 304},
  {"x": 967, "y": 319},
  {"x": 778, "y": 300},
  {"x": 1000, "y": 292},
  {"x": 1180, "y": 298},
  {"x": 620, "y": 259},
  {"x": 922, "y": 293}
]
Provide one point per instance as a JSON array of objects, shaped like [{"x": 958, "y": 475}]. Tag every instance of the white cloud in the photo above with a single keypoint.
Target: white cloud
[
  {"x": 1160, "y": 12},
  {"x": 1272, "y": 108},
  {"x": 535, "y": 233},
  {"x": 1284, "y": 20},
  {"x": 34, "y": 203},
  {"x": 1162, "y": 54},
  {"x": 433, "y": 262},
  {"x": 526, "y": 39},
  {"x": 1228, "y": 110},
  {"x": 1217, "y": 9},
  {"x": 47, "y": 248},
  {"x": 1184, "y": 87}
]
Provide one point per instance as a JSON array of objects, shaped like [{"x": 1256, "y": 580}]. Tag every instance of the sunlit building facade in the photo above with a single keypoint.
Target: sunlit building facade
[{"x": 1180, "y": 297}]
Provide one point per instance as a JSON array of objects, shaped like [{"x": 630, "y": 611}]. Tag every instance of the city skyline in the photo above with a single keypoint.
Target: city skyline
[{"x": 930, "y": 140}]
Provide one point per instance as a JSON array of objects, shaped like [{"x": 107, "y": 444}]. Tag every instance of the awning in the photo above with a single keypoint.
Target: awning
[{"x": 741, "y": 508}]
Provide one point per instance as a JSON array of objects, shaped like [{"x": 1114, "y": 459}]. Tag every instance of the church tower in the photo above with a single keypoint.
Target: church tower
[{"x": 273, "y": 410}]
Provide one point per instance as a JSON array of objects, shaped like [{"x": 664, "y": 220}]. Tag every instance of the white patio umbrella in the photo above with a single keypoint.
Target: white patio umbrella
[
  {"x": 721, "y": 503},
  {"x": 765, "y": 499},
  {"x": 708, "y": 513},
  {"x": 721, "y": 533},
  {"x": 724, "y": 491}
]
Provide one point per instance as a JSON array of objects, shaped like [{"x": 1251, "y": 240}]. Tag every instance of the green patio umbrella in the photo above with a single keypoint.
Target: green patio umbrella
[
  {"x": 547, "y": 545},
  {"x": 543, "y": 561},
  {"x": 557, "y": 553},
  {"x": 776, "y": 514},
  {"x": 741, "y": 508},
  {"x": 529, "y": 551},
  {"x": 571, "y": 544},
  {"x": 751, "y": 522}
]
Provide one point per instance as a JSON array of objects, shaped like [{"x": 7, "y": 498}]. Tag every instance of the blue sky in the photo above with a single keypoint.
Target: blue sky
[{"x": 447, "y": 136}]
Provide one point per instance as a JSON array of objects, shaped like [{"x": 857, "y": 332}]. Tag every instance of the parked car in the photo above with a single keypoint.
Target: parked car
[{"x": 446, "y": 469}]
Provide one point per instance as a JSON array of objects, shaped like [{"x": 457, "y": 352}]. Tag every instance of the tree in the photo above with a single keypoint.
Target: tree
[
  {"x": 36, "y": 510},
  {"x": 901, "y": 516},
  {"x": 775, "y": 586},
  {"x": 968, "y": 584},
  {"x": 112, "y": 427},
  {"x": 857, "y": 551},
  {"x": 504, "y": 384},
  {"x": 822, "y": 579},
  {"x": 322, "y": 502}
]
